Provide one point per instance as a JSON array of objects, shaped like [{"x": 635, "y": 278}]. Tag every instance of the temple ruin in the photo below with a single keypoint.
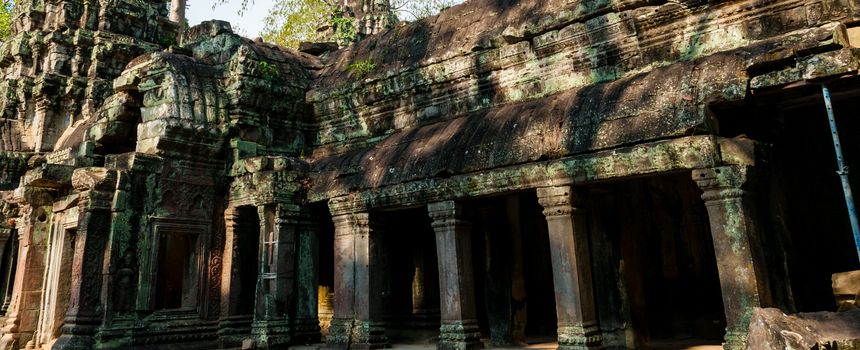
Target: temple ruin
[{"x": 597, "y": 173}]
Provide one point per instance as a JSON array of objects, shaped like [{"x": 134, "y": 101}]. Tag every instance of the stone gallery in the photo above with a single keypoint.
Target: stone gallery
[{"x": 610, "y": 174}]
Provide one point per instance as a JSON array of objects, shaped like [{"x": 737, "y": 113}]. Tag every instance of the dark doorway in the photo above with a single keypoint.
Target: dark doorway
[
  {"x": 515, "y": 298},
  {"x": 325, "y": 301},
  {"x": 410, "y": 286},
  {"x": 176, "y": 284},
  {"x": 667, "y": 261},
  {"x": 247, "y": 256},
  {"x": 816, "y": 216}
]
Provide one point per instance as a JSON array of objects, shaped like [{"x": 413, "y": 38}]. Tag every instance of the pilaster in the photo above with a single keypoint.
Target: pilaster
[
  {"x": 97, "y": 187},
  {"x": 32, "y": 225},
  {"x": 276, "y": 281},
  {"x": 307, "y": 325},
  {"x": 568, "y": 237},
  {"x": 459, "y": 330}
]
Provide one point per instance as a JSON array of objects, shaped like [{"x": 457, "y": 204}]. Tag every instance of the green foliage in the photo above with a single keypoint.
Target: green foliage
[
  {"x": 6, "y": 19},
  {"x": 413, "y": 10},
  {"x": 294, "y": 21},
  {"x": 268, "y": 71},
  {"x": 344, "y": 28},
  {"x": 361, "y": 68}
]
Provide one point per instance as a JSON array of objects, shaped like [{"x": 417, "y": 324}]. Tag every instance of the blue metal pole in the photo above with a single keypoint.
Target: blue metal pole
[{"x": 843, "y": 169}]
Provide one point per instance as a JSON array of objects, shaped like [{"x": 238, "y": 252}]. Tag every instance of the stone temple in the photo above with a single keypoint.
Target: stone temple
[{"x": 604, "y": 174}]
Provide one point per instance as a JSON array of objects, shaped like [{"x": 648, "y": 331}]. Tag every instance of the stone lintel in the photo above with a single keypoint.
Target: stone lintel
[
  {"x": 680, "y": 154},
  {"x": 49, "y": 176}
]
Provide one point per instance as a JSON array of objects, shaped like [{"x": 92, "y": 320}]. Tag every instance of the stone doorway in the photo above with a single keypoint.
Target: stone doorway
[
  {"x": 809, "y": 194},
  {"x": 58, "y": 277},
  {"x": 410, "y": 286},
  {"x": 246, "y": 254},
  {"x": 515, "y": 298},
  {"x": 653, "y": 235}
]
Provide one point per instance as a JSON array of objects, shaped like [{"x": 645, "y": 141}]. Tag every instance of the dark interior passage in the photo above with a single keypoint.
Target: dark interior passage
[
  {"x": 325, "y": 301},
  {"x": 247, "y": 256},
  {"x": 815, "y": 213},
  {"x": 410, "y": 286},
  {"x": 176, "y": 280},
  {"x": 515, "y": 299},
  {"x": 654, "y": 234}
]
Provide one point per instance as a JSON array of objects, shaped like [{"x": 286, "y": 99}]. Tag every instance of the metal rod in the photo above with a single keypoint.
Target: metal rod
[{"x": 843, "y": 169}]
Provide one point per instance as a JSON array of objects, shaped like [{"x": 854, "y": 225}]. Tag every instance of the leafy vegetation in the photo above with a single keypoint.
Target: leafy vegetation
[
  {"x": 268, "y": 71},
  {"x": 6, "y": 19},
  {"x": 361, "y": 68},
  {"x": 293, "y": 21}
]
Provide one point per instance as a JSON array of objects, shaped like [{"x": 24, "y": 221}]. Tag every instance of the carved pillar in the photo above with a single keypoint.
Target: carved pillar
[
  {"x": 275, "y": 284},
  {"x": 97, "y": 187},
  {"x": 33, "y": 226},
  {"x": 234, "y": 322},
  {"x": 357, "y": 321},
  {"x": 571, "y": 265},
  {"x": 307, "y": 325},
  {"x": 740, "y": 260},
  {"x": 459, "y": 330}
]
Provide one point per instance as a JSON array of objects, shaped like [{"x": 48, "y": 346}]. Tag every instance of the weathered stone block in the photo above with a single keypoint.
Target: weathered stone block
[
  {"x": 772, "y": 329},
  {"x": 846, "y": 289}
]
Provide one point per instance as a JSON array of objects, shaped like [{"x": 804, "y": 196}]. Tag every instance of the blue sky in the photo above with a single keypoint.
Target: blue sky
[{"x": 249, "y": 24}]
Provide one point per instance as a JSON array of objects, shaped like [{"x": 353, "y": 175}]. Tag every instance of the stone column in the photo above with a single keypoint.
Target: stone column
[
  {"x": 459, "y": 330},
  {"x": 275, "y": 283},
  {"x": 571, "y": 265},
  {"x": 234, "y": 323},
  {"x": 33, "y": 227},
  {"x": 97, "y": 187},
  {"x": 357, "y": 321},
  {"x": 307, "y": 324},
  {"x": 740, "y": 260}
]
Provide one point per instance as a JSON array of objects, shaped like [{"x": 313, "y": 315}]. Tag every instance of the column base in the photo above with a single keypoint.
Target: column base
[
  {"x": 306, "y": 331},
  {"x": 579, "y": 337},
  {"x": 354, "y": 334},
  {"x": 459, "y": 335},
  {"x": 232, "y": 331},
  {"x": 74, "y": 342},
  {"x": 272, "y": 334},
  {"x": 339, "y": 333},
  {"x": 77, "y": 333},
  {"x": 736, "y": 341},
  {"x": 11, "y": 341},
  {"x": 368, "y": 335}
]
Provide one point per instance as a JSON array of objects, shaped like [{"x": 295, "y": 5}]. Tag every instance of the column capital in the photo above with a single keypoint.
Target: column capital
[
  {"x": 347, "y": 224},
  {"x": 724, "y": 182},
  {"x": 447, "y": 213},
  {"x": 346, "y": 205},
  {"x": 560, "y": 200}
]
